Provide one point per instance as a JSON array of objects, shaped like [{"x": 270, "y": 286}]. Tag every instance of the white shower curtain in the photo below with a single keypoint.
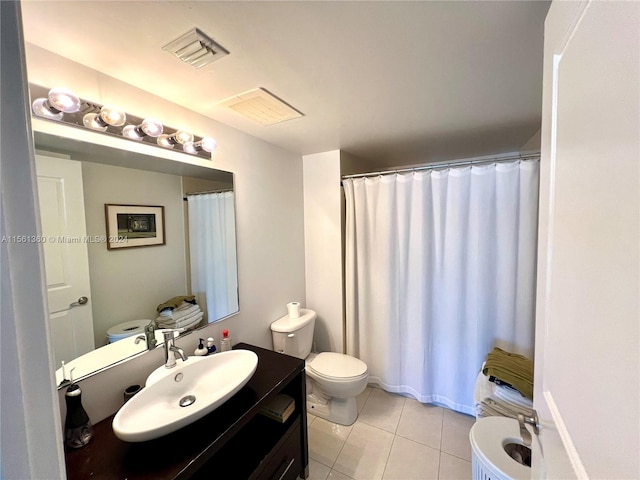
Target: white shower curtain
[
  {"x": 440, "y": 267},
  {"x": 212, "y": 249}
]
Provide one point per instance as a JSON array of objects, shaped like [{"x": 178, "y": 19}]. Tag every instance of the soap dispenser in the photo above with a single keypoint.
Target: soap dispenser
[
  {"x": 201, "y": 351},
  {"x": 77, "y": 426}
]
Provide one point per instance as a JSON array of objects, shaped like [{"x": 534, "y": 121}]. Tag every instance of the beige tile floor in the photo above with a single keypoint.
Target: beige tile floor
[{"x": 394, "y": 438}]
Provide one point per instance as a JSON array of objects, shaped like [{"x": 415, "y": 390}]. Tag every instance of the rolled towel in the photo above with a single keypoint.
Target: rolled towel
[{"x": 517, "y": 370}]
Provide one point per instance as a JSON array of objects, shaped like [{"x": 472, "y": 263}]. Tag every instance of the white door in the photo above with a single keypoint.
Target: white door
[
  {"x": 587, "y": 327},
  {"x": 66, "y": 257}
]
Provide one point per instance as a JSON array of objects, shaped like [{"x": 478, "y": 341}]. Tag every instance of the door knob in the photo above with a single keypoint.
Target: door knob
[{"x": 81, "y": 301}]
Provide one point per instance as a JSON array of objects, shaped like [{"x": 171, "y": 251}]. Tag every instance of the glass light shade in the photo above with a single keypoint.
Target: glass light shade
[
  {"x": 164, "y": 140},
  {"x": 183, "y": 137},
  {"x": 92, "y": 120},
  {"x": 131, "y": 131},
  {"x": 151, "y": 127},
  {"x": 112, "y": 115},
  {"x": 190, "y": 147},
  {"x": 208, "y": 144},
  {"x": 41, "y": 109},
  {"x": 64, "y": 100}
]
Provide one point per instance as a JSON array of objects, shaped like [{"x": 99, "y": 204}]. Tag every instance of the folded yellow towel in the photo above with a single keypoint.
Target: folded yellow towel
[
  {"x": 516, "y": 370},
  {"x": 175, "y": 302}
]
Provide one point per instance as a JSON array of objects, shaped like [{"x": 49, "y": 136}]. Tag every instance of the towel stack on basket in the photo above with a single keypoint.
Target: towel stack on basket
[
  {"x": 504, "y": 386},
  {"x": 179, "y": 312}
]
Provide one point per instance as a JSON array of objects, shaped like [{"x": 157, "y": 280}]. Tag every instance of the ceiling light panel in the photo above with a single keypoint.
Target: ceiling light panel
[
  {"x": 261, "y": 106},
  {"x": 196, "y": 48}
]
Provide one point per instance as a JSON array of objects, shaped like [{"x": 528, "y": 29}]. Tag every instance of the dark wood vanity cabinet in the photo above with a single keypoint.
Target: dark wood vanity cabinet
[{"x": 232, "y": 442}]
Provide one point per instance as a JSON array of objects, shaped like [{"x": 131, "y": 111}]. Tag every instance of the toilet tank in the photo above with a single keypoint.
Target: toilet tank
[{"x": 294, "y": 336}]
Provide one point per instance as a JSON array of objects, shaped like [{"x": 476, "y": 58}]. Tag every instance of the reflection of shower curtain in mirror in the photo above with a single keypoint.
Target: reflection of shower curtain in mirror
[{"x": 212, "y": 245}]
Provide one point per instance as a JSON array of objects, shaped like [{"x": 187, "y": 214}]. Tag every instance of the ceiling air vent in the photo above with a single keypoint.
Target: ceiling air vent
[
  {"x": 261, "y": 106},
  {"x": 196, "y": 49}
]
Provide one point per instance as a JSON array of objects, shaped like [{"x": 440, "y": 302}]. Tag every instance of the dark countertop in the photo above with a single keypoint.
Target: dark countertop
[{"x": 180, "y": 454}]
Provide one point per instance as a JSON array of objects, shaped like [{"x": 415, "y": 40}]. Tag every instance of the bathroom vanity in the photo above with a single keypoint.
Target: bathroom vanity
[{"x": 234, "y": 441}]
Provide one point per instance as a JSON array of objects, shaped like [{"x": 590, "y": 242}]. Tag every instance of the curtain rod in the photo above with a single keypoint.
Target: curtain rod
[
  {"x": 207, "y": 192},
  {"x": 459, "y": 163}
]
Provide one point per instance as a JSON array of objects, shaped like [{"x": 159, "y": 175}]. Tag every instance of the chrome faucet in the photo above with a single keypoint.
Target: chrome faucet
[
  {"x": 170, "y": 349},
  {"x": 149, "y": 335}
]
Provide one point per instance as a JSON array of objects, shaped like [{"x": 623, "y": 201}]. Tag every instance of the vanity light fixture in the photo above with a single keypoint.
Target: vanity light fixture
[
  {"x": 180, "y": 136},
  {"x": 108, "y": 115},
  {"x": 149, "y": 127},
  {"x": 207, "y": 144},
  {"x": 62, "y": 105},
  {"x": 59, "y": 101}
]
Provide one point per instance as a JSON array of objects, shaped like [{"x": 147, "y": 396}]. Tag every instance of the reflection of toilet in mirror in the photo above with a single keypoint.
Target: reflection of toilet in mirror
[
  {"x": 126, "y": 329},
  {"x": 333, "y": 379}
]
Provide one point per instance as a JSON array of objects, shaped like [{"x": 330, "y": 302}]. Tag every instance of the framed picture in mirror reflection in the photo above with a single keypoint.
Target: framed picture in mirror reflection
[{"x": 131, "y": 226}]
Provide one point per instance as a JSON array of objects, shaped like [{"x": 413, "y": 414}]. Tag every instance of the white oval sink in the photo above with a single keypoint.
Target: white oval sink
[{"x": 201, "y": 384}]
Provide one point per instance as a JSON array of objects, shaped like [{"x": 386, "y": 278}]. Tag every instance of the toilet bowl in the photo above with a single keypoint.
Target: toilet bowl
[
  {"x": 126, "y": 329},
  {"x": 333, "y": 379},
  {"x": 498, "y": 451}
]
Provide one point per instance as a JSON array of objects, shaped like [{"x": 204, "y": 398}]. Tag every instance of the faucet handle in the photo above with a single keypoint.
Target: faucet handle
[
  {"x": 150, "y": 336},
  {"x": 533, "y": 421}
]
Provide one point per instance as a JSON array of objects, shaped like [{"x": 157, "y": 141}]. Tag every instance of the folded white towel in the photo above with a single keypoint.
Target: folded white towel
[
  {"x": 491, "y": 399},
  {"x": 185, "y": 322},
  {"x": 491, "y": 406},
  {"x": 179, "y": 313},
  {"x": 189, "y": 318},
  {"x": 512, "y": 396},
  {"x": 184, "y": 312},
  {"x": 193, "y": 321}
]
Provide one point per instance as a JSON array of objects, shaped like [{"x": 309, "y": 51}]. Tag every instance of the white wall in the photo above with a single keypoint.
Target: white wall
[
  {"x": 30, "y": 429},
  {"x": 323, "y": 247},
  {"x": 350, "y": 165},
  {"x": 128, "y": 284},
  {"x": 587, "y": 375},
  {"x": 269, "y": 219},
  {"x": 533, "y": 144}
]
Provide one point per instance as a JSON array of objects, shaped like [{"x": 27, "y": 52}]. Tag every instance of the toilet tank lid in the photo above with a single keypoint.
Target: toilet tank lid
[{"x": 287, "y": 325}]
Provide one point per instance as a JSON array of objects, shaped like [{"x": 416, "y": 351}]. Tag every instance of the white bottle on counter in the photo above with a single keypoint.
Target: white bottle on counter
[{"x": 225, "y": 342}]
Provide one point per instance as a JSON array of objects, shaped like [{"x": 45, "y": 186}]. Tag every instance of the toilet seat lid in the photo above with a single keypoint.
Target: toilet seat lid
[
  {"x": 126, "y": 329},
  {"x": 488, "y": 437},
  {"x": 337, "y": 365}
]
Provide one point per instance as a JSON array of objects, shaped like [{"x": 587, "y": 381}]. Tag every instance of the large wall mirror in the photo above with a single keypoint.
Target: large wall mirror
[{"x": 103, "y": 290}]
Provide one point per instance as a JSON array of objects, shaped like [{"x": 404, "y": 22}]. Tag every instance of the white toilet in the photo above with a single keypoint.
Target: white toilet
[
  {"x": 126, "y": 329},
  {"x": 498, "y": 451},
  {"x": 333, "y": 379}
]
